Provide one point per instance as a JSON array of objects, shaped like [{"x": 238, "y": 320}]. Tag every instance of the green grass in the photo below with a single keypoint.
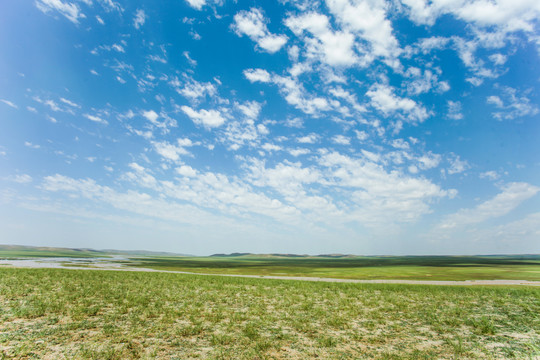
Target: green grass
[
  {"x": 403, "y": 267},
  {"x": 72, "y": 314}
]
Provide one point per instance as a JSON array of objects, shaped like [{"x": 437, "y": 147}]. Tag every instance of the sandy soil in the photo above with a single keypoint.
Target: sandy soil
[{"x": 106, "y": 264}]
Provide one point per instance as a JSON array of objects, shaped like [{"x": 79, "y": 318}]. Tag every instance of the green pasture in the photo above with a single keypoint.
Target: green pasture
[
  {"x": 399, "y": 267},
  {"x": 74, "y": 314}
]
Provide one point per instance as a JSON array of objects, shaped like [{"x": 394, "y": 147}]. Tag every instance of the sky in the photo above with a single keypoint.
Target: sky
[{"x": 311, "y": 127}]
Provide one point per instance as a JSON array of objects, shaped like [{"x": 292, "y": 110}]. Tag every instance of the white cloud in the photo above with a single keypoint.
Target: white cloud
[
  {"x": 191, "y": 61},
  {"x": 170, "y": 151},
  {"x": 361, "y": 135},
  {"x": 308, "y": 139},
  {"x": 454, "y": 110},
  {"x": 70, "y": 103},
  {"x": 71, "y": 11},
  {"x": 515, "y": 105},
  {"x": 508, "y": 15},
  {"x": 512, "y": 196},
  {"x": 151, "y": 116},
  {"x": 334, "y": 48},
  {"x": 457, "y": 165},
  {"x": 250, "y": 109},
  {"x": 368, "y": 20},
  {"x": 186, "y": 170},
  {"x": 132, "y": 201},
  {"x": 254, "y": 75},
  {"x": 296, "y": 95},
  {"x": 30, "y": 145},
  {"x": 95, "y": 119},
  {"x": 21, "y": 178},
  {"x": 118, "y": 48},
  {"x": 139, "y": 19},
  {"x": 491, "y": 175},
  {"x": 429, "y": 161},
  {"x": 196, "y": 4},
  {"x": 195, "y": 90},
  {"x": 347, "y": 96},
  {"x": 9, "y": 103},
  {"x": 383, "y": 99},
  {"x": 379, "y": 196},
  {"x": 271, "y": 147},
  {"x": 298, "y": 152},
  {"x": 498, "y": 59},
  {"x": 424, "y": 81},
  {"x": 253, "y": 24},
  {"x": 100, "y": 20},
  {"x": 495, "y": 100},
  {"x": 341, "y": 140},
  {"x": 426, "y": 45},
  {"x": 207, "y": 118}
]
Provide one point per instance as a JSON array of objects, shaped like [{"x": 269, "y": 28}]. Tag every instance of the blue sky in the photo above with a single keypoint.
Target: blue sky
[{"x": 205, "y": 126}]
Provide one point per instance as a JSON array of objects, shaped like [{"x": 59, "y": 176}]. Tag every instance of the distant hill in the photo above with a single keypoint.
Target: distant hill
[
  {"x": 45, "y": 251},
  {"x": 279, "y": 255},
  {"x": 143, "y": 253}
]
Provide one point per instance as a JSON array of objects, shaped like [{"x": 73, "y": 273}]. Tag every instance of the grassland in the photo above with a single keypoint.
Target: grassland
[
  {"x": 354, "y": 267},
  {"x": 75, "y": 314}
]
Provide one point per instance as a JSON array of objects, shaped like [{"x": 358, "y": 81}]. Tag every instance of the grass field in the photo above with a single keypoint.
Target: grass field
[
  {"x": 77, "y": 314},
  {"x": 402, "y": 267}
]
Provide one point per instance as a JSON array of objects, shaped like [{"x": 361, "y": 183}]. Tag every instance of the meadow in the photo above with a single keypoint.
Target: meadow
[
  {"x": 518, "y": 267},
  {"x": 85, "y": 314}
]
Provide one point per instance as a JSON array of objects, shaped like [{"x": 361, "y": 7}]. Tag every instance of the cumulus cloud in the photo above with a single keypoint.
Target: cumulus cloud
[
  {"x": 252, "y": 23},
  {"x": 195, "y": 90},
  {"x": 507, "y": 14},
  {"x": 368, "y": 20},
  {"x": 384, "y": 99},
  {"x": 196, "y": 4},
  {"x": 308, "y": 139},
  {"x": 341, "y": 140},
  {"x": 254, "y": 75},
  {"x": 334, "y": 48},
  {"x": 170, "y": 151},
  {"x": 207, "y": 118}
]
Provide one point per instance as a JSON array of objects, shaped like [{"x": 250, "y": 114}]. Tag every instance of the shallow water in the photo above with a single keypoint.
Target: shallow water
[{"x": 114, "y": 262}]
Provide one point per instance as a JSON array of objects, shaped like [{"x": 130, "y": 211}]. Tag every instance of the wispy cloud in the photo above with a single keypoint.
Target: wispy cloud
[
  {"x": 511, "y": 196},
  {"x": 9, "y": 103},
  {"x": 71, "y": 11}
]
